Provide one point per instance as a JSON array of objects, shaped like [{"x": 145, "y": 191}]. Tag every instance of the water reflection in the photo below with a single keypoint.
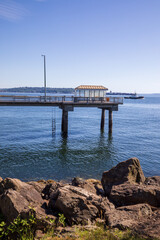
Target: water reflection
[
  {"x": 110, "y": 137},
  {"x": 105, "y": 149},
  {"x": 84, "y": 157},
  {"x": 63, "y": 148}
]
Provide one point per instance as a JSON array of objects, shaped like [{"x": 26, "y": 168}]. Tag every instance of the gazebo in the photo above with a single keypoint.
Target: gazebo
[{"x": 90, "y": 91}]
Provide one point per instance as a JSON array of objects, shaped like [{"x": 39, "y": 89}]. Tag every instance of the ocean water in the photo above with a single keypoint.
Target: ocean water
[{"x": 28, "y": 150}]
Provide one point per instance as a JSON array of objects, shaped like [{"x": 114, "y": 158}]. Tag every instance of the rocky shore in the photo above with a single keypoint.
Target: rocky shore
[{"x": 124, "y": 198}]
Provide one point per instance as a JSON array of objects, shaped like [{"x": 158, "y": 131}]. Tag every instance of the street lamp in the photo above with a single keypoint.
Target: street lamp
[{"x": 44, "y": 77}]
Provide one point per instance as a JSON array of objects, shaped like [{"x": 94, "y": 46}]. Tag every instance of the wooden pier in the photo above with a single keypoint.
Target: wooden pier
[{"x": 67, "y": 103}]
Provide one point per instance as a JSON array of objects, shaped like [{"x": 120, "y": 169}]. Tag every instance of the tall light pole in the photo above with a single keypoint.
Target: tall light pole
[{"x": 44, "y": 77}]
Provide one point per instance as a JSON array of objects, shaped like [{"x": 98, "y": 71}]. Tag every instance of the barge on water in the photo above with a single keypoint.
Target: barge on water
[{"x": 134, "y": 96}]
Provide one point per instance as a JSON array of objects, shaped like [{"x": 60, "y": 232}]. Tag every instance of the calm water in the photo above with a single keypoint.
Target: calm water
[{"x": 29, "y": 152}]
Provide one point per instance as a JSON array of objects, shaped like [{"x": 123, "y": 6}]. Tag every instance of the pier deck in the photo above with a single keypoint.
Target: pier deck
[{"x": 66, "y": 103}]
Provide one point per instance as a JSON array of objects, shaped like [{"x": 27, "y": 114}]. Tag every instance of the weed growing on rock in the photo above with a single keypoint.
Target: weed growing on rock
[
  {"x": 61, "y": 219},
  {"x": 19, "y": 229}
]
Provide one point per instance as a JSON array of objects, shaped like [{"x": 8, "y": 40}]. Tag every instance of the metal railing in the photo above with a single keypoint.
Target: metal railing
[
  {"x": 72, "y": 99},
  {"x": 118, "y": 100}
]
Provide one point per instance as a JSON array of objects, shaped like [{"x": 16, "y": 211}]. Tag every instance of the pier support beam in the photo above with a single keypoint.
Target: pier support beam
[
  {"x": 110, "y": 121},
  {"x": 64, "y": 126},
  {"x": 102, "y": 119}
]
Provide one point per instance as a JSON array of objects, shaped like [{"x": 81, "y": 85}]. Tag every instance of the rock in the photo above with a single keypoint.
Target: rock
[
  {"x": 125, "y": 185},
  {"x": 12, "y": 204},
  {"x": 153, "y": 181},
  {"x": 39, "y": 186},
  {"x": 136, "y": 198},
  {"x": 127, "y": 171},
  {"x": 50, "y": 190},
  {"x": 130, "y": 194},
  {"x": 91, "y": 185},
  {"x": 9, "y": 183},
  {"x": 128, "y": 216},
  {"x": 39, "y": 234},
  {"x": 26, "y": 190},
  {"x": 149, "y": 227},
  {"x": 18, "y": 198},
  {"x": 140, "y": 218},
  {"x": 80, "y": 206}
]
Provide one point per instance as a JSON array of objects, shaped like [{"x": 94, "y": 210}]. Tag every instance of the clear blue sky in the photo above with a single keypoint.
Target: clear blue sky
[{"x": 115, "y": 43}]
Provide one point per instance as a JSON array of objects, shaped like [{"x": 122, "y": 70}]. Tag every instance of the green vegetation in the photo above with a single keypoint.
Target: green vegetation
[
  {"x": 25, "y": 229},
  {"x": 19, "y": 229},
  {"x": 38, "y": 90},
  {"x": 61, "y": 219},
  {"x": 100, "y": 233}
]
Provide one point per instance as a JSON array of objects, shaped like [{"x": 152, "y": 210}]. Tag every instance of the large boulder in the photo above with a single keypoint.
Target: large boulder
[
  {"x": 140, "y": 218},
  {"x": 80, "y": 206},
  {"x": 26, "y": 190},
  {"x": 12, "y": 204},
  {"x": 127, "y": 171},
  {"x": 128, "y": 216},
  {"x": 150, "y": 226},
  {"x": 19, "y": 198},
  {"x": 130, "y": 194}
]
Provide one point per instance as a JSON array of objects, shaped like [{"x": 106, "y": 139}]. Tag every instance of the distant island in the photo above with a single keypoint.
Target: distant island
[
  {"x": 38, "y": 90},
  {"x": 50, "y": 90},
  {"x": 56, "y": 90}
]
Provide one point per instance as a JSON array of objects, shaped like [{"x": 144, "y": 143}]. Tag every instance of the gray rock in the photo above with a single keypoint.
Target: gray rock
[
  {"x": 130, "y": 194},
  {"x": 50, "y": 190},
  {"x": 39, "y": 186},
  {"x": 18, "y": 198},
  {"x": 128, "y": 216},
  {"x": 153, "y": 181},
  {"x": 127, "y": 171},
  {"x": 12, "y": 204},
  {"x": 91, "y": 185},
  {"x": 80, "y": 206}
]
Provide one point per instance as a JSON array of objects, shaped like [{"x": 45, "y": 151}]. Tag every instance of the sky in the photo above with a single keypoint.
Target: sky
[{"x": 114, "y": 43}]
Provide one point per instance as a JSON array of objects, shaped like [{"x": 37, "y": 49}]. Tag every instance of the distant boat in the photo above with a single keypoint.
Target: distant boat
[{"x": 134, "y": 96}]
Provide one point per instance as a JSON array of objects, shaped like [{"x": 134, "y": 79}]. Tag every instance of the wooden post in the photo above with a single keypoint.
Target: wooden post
[
  {"x": 102, "y": 119},
  {"x": 110, "y": 121},
  {"x": 64, "y": 125}
]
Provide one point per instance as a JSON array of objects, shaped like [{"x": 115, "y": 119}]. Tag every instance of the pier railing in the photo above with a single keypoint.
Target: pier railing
[{"x": 72, "y": 99}]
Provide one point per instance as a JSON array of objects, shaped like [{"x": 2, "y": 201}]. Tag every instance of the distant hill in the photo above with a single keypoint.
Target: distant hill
[{"x": 37, "y": 90}]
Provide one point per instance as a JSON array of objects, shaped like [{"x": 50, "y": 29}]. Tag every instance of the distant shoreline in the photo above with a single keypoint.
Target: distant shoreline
[
  {"x": 37, "y": 90},
  {"x": 62, "y": 91}
]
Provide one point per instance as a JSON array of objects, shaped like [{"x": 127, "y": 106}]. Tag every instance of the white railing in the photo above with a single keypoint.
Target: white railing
[{"x": 11, "y": 98}]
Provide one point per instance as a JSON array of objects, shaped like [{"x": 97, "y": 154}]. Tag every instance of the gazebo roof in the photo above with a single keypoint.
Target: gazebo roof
[{"x": 90, "y": 87}]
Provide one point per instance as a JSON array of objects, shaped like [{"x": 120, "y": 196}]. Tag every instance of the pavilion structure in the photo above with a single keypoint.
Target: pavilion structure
[{"x": 90, "y": 91}]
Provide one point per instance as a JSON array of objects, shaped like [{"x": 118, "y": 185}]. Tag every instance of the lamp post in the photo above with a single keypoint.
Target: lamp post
[{"x": 44, "y": 77}]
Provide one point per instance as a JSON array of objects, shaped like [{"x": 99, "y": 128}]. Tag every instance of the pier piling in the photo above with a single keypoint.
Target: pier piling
[
  {"x": 110, "y": 121},
  {"x": 102, "y": 119},
  {"x": 64, "y": 122},
  {"x": 65, "y": 110}
]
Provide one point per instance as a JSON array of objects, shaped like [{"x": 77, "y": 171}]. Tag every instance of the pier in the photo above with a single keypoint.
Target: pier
[{"x": 67, "y": 104}]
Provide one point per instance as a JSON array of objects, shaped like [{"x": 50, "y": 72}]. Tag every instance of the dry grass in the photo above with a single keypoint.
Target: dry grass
[{"x": 96, "y": 234}]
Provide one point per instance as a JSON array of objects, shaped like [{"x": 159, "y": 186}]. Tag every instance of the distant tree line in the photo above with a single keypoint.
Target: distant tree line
[{"x": 37, "y": 90}]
